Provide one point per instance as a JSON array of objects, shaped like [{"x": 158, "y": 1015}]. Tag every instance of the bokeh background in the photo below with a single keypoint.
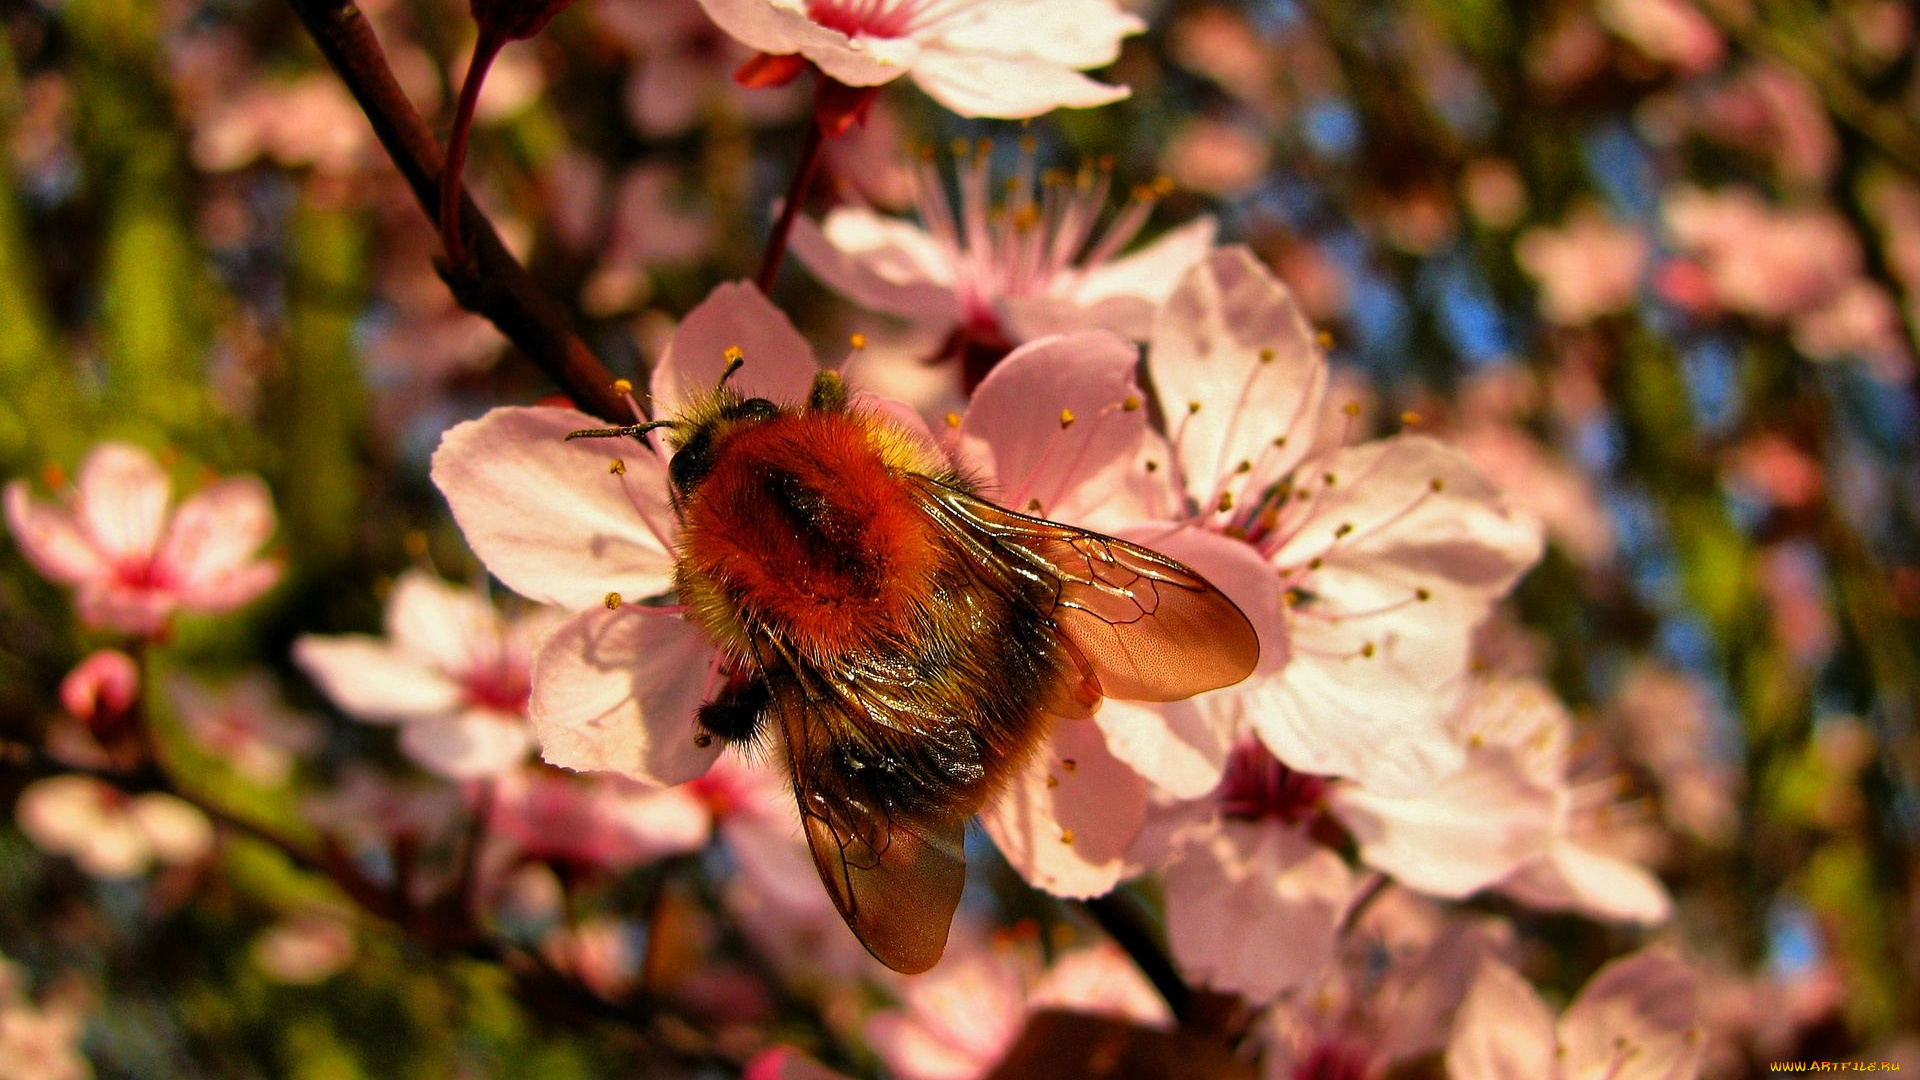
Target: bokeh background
[{"x": 1654, "y": 263}]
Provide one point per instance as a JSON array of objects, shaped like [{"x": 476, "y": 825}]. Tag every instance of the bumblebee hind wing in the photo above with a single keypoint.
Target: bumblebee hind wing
[
  {"x": 895, "y": 880},
  {"x": 1150, "y": 628}
]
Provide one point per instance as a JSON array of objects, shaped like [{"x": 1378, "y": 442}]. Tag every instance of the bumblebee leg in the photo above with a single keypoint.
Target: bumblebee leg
[
  {"x": 738, "y": 711},
  {"x": 829, "y": 393}
]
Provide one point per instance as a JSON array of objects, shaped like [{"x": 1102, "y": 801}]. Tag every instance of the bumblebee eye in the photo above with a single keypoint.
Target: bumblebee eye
[
  {"x": 691, "y": 462},
  {"x": 754, "y": 410}
]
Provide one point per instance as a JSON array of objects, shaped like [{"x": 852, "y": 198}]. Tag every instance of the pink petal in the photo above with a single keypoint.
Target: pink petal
[
  {"x": 1504, "y": 1032},
  {"x": 121, "y": 500},
  {"x": 128, "y": 609},
  {"x": 1102, "y": 980},
  {"x": 617, "y": 691},
  {"x": 1066, "y": 822},
  {"x": 779, "y": 362},
  {"x": 1051, "y": 433},
  {"x": 1233, "y": 340},
  {"x": 1636, "y": 1019},
  {"x": 1254, "y": 909},
  {"x": 1151, "y": 272},
  {"x": 447, "y": 626},
  {"x": 757, "y": 24},
  {"x": 371, "y": 680},
  {"x": 1473, "y": 829},
  {"x": 51, "y": 539},
  {"x": 469, "y": 745},
  {"x": 880, "y": 263},
  {"x": 1576, "y": 878},
  {"x": 1005, "y": 87},
  {"x": 785, "y": 1063},
  {"x": 233, "y": 589},
  {"x": 215, "y": 533},
  {"x": 1177, "y": 746},
  {"x": 549, "y": 517}
]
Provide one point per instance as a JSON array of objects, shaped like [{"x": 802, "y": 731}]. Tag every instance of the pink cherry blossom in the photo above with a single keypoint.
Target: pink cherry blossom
[
  {"x": 1636, "y": 1019},
  {"x": 957, "y": 1021},
  {"x": 131, "y": 560},
  {"x": 101, "y": 687},
  {"x": 995, "y": 58},
  {"x": 451, "y": 671},
  {"x": 110, "y": 834},
  {"x": 1388, "y": 997},
  {"x": 1254, "y": 903},
  {"x": 587, "y": 525},
  {"x": 305, "y": 950},
  {"x": 597, "y": 822},
  {"x": 1587, "y": 268},
  {"x": 1761, "y": 260},
  {"x": 1672, "y": 31},
  {"x": 246, "y": 724},
  {"x": 39, "y": 1041},
  {"x": 992, "y": 275},
  {"x": 1364, "y": 569}
]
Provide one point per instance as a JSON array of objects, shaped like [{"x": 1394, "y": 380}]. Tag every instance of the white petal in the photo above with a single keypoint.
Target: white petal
[
  {"x": 1254, "y": 909},
  {"x": 1032, "y": 458},
  {"x": 1070, "y": 33},
  {"x": 1005, "y": 87},
  {"x": 51, "y": 539},
  {"x": 371, "y": 680},
  {"x": 178, "y": 832},
  {"x": 217, "y": 530},
  {"x": 617, "y": 691},
  {"x": 1066, "y": 822},
  {"x": 548, "y": 516},
  {"x": 1504, "y": 1032},
  {"x": 1233, "y": 340},
  {"x": 470, "y": 745},
  {"x": 881, "y": 263},
  {"x": 767, "y": 27},
  {"x": 779, "y": 362},
  {"x": 1475, "y": 828},
  {"x": 1635, "y": 1020},
  {"x": 1153, "y": 271},
  {"x": 121, "y": 499},
  {"x": 447, "y": 626}
]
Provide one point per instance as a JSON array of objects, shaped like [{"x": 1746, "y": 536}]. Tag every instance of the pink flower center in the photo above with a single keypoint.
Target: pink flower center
[
  {"x": 1333, "y": 1061},
  {"x": 143, "y": 573},
  {"x": 502, "y": 686},
  {"x": 884, "y": 18},
  {"x": 1257, "y": 786}
]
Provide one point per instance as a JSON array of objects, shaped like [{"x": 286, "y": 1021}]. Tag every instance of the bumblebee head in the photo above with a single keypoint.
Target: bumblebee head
[{"x": 702, "y": 426}]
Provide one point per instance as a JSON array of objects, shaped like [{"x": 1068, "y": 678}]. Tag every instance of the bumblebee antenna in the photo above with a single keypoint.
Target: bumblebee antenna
[{"x": 635, "y": 430}]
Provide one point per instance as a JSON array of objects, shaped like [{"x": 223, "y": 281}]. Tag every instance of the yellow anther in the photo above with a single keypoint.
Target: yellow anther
[
  {"x": 1226, "y": 501},
  {"x": 612, "y": 601},
  {"x": 1066, "y": 419},
  {"x": 1053, "y": 781},
  {"x": 1437, "y": 485},
  {"x": 1132, "y": 403},
  {"x": 1341, "y": 532},
  {"x": 1279, "y": 442},
  {"x": 953, "y": 419},
  {"x": 1070, "y": 765},
  {"x": 1066, "y": 836},
  {"x": 1153, "y": 466},
  {"x": 1245, "y": 466},
  {"x": 1266, "y": 356},
  {"x": 623, "y": 386},
  {"x": 1192, "y": 407},
  {"x": 1410, "y": 419},
  {"x": 1329, "y": 478},
  {"x": 1351, "y": 408},
  {"x": 734, "y": 355},
  {"x": 1034, "y": 507},
  {"x": 617, "y": 467},
  {"x": 858, "y": 341},
  {"x": 1367, "y": 650},
  {"x": 961, "y": 146},
  {"x": 1324, "y": 339},
  {"x": 1422, "y": 595}
]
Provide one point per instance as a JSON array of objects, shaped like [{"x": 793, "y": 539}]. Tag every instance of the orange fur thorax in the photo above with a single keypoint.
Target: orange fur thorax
[{"x": 805, "y": 531}]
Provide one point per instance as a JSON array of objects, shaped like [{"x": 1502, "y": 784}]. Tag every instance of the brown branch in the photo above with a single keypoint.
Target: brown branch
[{"x": 494, "y": 284}]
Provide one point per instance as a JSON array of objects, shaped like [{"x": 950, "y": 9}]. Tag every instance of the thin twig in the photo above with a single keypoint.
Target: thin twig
[
  {"x": 789, "y": 210},
  {"x": 495, "y": 285}
]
